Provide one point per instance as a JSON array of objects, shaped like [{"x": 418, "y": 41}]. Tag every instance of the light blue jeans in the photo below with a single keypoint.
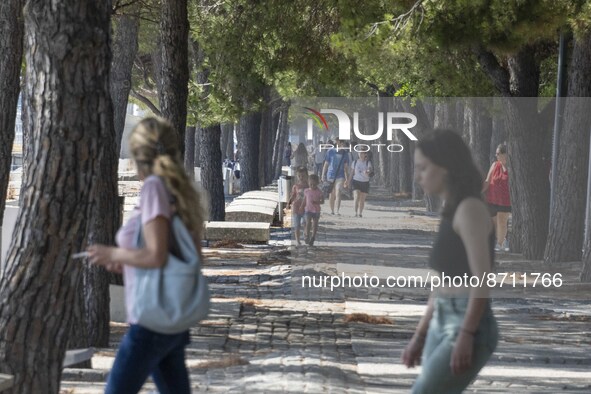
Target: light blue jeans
[{"x": 447, "y": 320}]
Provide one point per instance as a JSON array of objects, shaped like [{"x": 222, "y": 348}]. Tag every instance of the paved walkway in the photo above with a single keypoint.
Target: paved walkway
[{"x": 267, "y": 334}]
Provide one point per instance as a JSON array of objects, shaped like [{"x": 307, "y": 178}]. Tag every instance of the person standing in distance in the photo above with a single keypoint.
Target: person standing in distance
[{"x": 336, "y": 169}]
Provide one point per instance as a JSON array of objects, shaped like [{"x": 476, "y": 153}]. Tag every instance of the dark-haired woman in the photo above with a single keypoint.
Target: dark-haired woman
[{"x": 458, "y": 333}]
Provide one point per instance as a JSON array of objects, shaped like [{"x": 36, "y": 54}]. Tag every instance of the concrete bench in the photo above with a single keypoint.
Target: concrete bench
[
  {"x": 257, "y": 203},
  {"x": 6, "y": 381},
  {"x": 249, "y": 213},
  {"x": 260, "y": 195},
  {"x": 237, "y": 231},
  {"x": 76, "y": 356}
]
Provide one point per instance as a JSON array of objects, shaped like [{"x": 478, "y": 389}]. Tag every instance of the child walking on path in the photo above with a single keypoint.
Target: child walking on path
[
  {"x": 314, "y": 198},
  {"x": 298, "y": 202}
]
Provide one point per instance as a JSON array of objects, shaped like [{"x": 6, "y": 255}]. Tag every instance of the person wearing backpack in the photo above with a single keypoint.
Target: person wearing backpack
[{"x": 359, "y": 176}]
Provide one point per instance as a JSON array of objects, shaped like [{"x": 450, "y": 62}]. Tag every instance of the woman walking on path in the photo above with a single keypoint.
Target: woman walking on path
[
  {"x": 297, "y": 201},
  {"x": 458, "y": 333},
  {"x": 300, "y": 156},
  {"x": 166, "y": 190},
  {"x": 361, "y": 171},
  {"x": 496, "y": 187}
]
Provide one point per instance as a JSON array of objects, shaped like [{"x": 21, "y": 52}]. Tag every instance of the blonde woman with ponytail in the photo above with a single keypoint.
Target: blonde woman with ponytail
[{"x": 166, "y": 190}]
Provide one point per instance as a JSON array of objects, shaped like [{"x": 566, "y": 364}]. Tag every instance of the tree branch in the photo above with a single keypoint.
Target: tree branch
[
  {"x": 490, "y": 64},
  {"x": 146, "y": 101}
]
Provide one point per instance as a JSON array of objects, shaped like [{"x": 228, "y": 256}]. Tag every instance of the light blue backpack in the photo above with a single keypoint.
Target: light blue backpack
[{"x": 175, "y": 297}]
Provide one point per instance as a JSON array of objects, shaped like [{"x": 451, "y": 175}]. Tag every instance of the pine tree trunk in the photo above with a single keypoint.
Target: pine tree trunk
[
  {"x": 230, "y": 145},
  {"x": 125, "y": 47},
  {"x": 280, "y": 141},
  {"x": 226, "y": 136},
  {"x": 528, "y": 178},
  {"x": 11, "y": 53},
  {"x": 174, "y": 75},
  {"x": 190, "y": 151},
  {"x": 248, "y": 142},
  {"x": 499, "y": 136},
  {"x": 384, "y": 105},
  {"x": 212, "y": 178},
  {"x": 478, "y": 127},
  {"x": 527, "y": 159},
  {"x": 198, "y": 132},
  {"x": 586, "y": 272},
  {"x": 566, "y": 227},
  {"x": 90, "y": 326},
  {"x": 69, "y": 119},
  {"x": 269, "y": 168},
  {"x": 264, "y": 137}
]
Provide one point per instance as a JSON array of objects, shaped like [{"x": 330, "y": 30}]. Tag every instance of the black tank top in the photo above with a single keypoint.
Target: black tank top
[{"x": 449, "y": 254}]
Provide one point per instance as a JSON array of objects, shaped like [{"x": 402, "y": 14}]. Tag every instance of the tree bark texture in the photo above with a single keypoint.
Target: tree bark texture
[
  {"x": 90, "y": 326},
  {"x": 198, "y": 148},
  {"x": 124, "y": 47},
  {"x": 499, "y": 136},
  {"x": 248, "y": 143},
  {"x": 478, "y": 127},
  {"x": 281, "y": 140},
  {"x": 11, "y": 53},
  {"x": 527, "y": 160},
  {"x": 190, "y": 151},
  {"x": 384, "y": 105},
  {"x": 174, "y": 73},
  {"x": 227, "y": 129},
  {"x": 528, "y": 177},
  {"x": 567, "y": 223},
  {"x": 68, "y": 63},
  {"x": 212, "y": 179}
]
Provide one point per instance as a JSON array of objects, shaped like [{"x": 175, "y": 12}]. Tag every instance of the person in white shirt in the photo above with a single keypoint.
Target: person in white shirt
[
  {"x": 361, "y": 172},
  {"x": 319, "y": 158}
]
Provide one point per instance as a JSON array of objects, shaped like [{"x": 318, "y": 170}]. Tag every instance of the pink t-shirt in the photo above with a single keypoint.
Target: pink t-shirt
[
  {"x": 155, "y": 200},
  {"x": 311, "y": 196}
]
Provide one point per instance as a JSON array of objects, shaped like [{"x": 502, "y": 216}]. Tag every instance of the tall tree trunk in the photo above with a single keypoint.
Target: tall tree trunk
[
  {"x": 270, "y": 169},
  {"x": 248, "y": 142},
  {"x": 190, "y": 151},
  {"x": 90, "y": 326},
  {"x": 499, "y": 136},
  {"x": 174, "y": 76},
  {"x": 69, "y": 118},
  {"x": 125, "y": 47},
  {"x": 264, "y": 136},
  {"x": 527, "y": 161},
  {"x": 586, "y": 272},
  {"x": 226, "y": 136},
  {"x": 565, "y": 231},
  {"x": 478, "y": 127},
  {"x": 528, "y": 183},
  {"x": 384, "y": 105},
  {"x": 198, "y": 148},
  {"x": 281, "y": 141},
  {"x": 230, "y": 146},
  {"x": 212, "y": 178},
  {"x": 405, "y": 166},
  {"x": 11, "y": 53}
]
